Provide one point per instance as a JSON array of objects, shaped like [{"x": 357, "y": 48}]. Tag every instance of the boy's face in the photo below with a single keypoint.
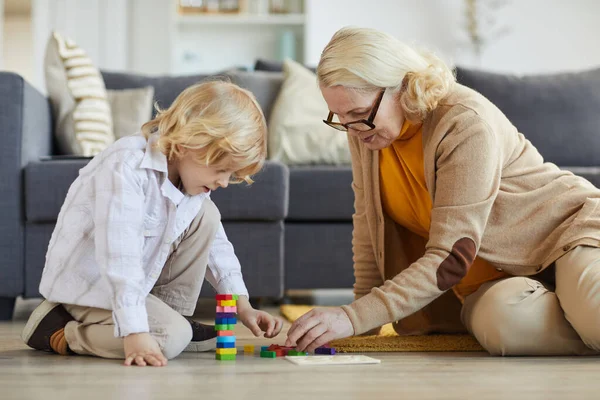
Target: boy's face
[{"x": 197, "y": 178}]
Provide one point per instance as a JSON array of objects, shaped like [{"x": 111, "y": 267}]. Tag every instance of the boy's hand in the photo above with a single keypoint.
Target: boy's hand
[
  {"x": 142, "y": 349},
  {"x": 258, "y": 321}
]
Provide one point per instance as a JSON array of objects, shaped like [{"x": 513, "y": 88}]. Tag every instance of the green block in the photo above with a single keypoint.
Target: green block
[
  {"x": 225, "y": 357},
  {"x": 297, "y": 353},
  {"x": 236, "y": 297},
  {"x": 224, "y": 327},
  {"x": 268, "y": 354}
]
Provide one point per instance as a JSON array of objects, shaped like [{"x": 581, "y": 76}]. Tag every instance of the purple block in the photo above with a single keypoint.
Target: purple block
[
  {"x": 224, "y": 315},
  {"x": 325, "y": 351}
]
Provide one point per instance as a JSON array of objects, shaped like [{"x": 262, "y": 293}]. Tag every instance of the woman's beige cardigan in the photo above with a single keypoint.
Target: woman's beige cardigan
[{"x": 492, "y": 195}]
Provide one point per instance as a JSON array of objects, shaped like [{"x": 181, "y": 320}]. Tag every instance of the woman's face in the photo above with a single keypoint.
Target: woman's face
[{"x": 351, "y": 105}]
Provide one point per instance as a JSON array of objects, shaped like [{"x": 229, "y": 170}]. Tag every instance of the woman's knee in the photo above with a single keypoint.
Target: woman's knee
[
  {"x": 501, "y": 315},
  {"x": 177, "y": 335}
]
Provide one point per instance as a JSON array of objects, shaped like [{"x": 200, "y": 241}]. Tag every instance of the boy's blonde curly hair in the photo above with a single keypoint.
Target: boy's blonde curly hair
[
  {"x": 221, "y": 122},
  {"x": 367, "y": 59}
]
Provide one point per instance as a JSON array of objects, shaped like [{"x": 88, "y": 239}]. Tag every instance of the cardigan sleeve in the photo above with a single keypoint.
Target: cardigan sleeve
[
  {"x": 468, "y": 172},
  {"x": 366, "y": 273}
]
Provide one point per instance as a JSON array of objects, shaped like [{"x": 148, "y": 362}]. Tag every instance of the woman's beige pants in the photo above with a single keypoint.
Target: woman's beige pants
[
  {"x": 92, "y": 332},
  {"x": 520, "y": 316}
]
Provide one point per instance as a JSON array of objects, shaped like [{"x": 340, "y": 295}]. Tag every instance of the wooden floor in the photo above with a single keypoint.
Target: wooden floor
[{"x": 28, "y": 374}]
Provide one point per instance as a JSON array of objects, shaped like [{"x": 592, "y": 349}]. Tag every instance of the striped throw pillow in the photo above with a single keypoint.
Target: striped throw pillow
[{"x": 78, "y": 96}]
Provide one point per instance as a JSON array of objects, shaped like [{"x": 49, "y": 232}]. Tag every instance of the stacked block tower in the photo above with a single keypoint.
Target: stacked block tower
[{"x": 225, "y": 321}]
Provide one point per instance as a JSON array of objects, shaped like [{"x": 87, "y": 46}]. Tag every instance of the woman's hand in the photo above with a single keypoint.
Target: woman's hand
[
  {"x": 318, "y": 327},
  {"x": 142, "y": 349},
  {"x": 258, "y": 321}
]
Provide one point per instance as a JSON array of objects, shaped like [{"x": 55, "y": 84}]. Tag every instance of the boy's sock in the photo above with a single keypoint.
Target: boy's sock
[
  {"x": 45, "y": 329},
  {"x": 58, "y": 342}
]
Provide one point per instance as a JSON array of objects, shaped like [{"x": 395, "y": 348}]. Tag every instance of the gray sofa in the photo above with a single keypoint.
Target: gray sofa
[{"x": 560, "y": 114}]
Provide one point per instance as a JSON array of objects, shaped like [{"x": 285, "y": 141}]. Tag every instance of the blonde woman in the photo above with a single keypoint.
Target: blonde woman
[
  {"x": 453, "y": 205},
  {"x": 138, "y": 229}
]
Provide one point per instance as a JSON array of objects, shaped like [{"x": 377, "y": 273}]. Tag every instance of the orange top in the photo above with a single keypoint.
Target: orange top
[{"x": 405, "y": 199}]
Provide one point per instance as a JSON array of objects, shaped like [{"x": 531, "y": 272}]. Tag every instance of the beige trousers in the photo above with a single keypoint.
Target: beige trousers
[
  {"x": 521, "y": 316},
  {"x": 174, "y": 294}
]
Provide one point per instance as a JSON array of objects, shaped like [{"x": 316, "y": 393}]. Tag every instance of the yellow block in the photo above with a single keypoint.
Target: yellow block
[
  {"x": 227, "y": 351},
  {"x": 227, "y": 303},
  {"x": 248, "y": 348}
]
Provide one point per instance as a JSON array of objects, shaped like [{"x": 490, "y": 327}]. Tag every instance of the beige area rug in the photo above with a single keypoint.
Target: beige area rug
[{"x": 388, "y": 339}]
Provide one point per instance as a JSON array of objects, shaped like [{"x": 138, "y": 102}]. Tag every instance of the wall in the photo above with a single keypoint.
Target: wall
[
  {"x": 98, "y": 26},
  {"x": 544, "y": 35}
]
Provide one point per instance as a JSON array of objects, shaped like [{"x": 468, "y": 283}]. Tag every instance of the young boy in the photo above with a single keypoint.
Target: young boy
[{"x": 129, "y": 252}]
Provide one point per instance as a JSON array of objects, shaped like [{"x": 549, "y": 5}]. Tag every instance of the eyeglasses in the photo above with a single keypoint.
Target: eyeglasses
[{"x": 361, "y": 125}]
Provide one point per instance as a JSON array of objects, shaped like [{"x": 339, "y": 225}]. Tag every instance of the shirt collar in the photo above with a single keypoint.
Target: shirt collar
[{"x": 155, "y": 159}]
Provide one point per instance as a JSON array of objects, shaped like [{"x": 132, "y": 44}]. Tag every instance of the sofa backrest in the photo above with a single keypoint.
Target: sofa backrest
[
  {"x": 559, "y": 113},
  {"x": 264, "y": 85}
]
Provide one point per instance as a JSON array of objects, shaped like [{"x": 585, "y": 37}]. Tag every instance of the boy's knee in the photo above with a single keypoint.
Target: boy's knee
[{"x": 178, "y": 336}]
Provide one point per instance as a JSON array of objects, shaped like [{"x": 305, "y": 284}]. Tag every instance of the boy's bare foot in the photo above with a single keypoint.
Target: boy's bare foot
[{"x": 45, "y": 329}]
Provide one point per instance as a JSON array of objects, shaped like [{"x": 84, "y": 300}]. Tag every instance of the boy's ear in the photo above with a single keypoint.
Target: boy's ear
[{"x": 180, "y": 150}]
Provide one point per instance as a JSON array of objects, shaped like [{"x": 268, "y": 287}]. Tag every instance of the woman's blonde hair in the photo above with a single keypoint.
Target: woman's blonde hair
[
  {"x": 366, "y": 59},
  {"x": 220, "y": 122}
]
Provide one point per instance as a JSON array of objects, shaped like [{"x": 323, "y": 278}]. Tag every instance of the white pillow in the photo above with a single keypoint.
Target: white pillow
[
  {"x": 297, "y": 134},
  {"x": 130, "y": 108},
  {"x": 78, "y": 97}
]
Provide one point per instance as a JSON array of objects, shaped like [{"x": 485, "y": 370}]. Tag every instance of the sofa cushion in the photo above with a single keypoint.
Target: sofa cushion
[
  {"x": 273, "y": 66},
  {"x": 264, "y": 85},
  {"x": 559, "y": 114},
  {"x": 47, "y": 184},
  {"x": 321, "y": 193},
  {"x": 166, "y": 88}
]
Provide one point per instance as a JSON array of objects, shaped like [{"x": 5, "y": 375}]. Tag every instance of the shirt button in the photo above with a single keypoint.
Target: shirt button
[{"x": 567, "y": 248}]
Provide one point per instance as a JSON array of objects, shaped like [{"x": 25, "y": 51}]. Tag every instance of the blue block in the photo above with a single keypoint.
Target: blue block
[
  {"x": 226, "y": 345},
  {"x": 264, "y": 348},
  {"x": 221, "y": 321},
  {"x": 231, "y": 321},
  {"x": 225, "y": 339}
]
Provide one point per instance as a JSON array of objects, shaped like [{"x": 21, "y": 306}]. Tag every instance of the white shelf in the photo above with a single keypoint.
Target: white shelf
[{"x": 240, "y": 19}]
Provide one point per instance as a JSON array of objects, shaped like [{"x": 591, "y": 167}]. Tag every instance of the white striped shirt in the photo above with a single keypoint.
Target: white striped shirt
[{"x": 114, "y": 232}]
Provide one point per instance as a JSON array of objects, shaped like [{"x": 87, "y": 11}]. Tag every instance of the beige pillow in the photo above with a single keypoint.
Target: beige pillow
[
  {"x": 78, "y": 97},
  {"x": 297, "y": 134},
  {"x": 130, "y": 108}
]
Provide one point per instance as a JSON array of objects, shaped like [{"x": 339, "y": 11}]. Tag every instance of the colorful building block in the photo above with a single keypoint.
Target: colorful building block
[
  {"x": 225, "y": 321},
  {"x": 297, "y": 353},
  {"x": 221, "y": 309},
  {"x": 225, "y": 345},
  {"x": 227, "y": 303},
  {"x": 225, "y": 315},
  {"x": 225, "y": 357},
  {"x": 264, "y": 348},
  {"x": 224, "y": 327},
  {"x": 330, "y": 351},
  {"x": 249, "y": 348},
  {"x": 225, "y": 297},
  {"x": 227, "y": 351},
  {"x": 225, "y": 339},
  {"x": 225, "y": 333},
  {"x": 268, "y": 354}
]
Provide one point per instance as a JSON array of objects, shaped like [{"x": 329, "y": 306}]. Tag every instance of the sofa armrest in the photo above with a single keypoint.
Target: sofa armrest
[{"x": 26, "y": 129}]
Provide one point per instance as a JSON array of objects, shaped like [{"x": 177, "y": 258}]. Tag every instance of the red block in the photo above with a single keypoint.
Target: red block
[
  {"x": 224, "y": 297},
  {"x": 225, "y": 333}
]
